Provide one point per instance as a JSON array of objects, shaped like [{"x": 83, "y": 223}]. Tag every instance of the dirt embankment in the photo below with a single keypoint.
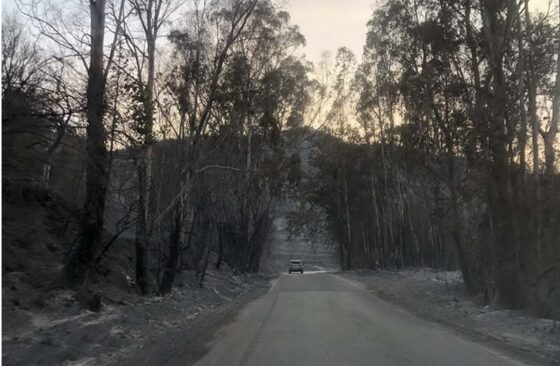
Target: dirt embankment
[
  {"x": 44, "y": 324},
  {"x": 441, "y": 297},
  {"x": 143, "y": 331}
]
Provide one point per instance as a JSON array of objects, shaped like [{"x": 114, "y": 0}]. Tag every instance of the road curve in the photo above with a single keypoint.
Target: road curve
[{"x": 325, "y": 319}]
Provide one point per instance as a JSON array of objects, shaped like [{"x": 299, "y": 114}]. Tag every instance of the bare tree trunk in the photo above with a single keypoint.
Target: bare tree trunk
[
  {"x": 535, "y": 123},
  {"x": 176, "y": 239},
  {"x": 550, "y": 136},
  {"x": 343, "y": 242},
  {"x": 509, "y": 289},
  {"x": 457, "y": 233},
  {"x": 522, "y": 136},
  {"x": 532, "y": 88},
  {"x": 220, "y": 254},
  {"x": 246, "y": 209},
  {"x": 77, "y": 264},
  {"x": 203, "y": 266},
  {"x": 347, "y": 263},
  {"x": 143, "y": 224}
]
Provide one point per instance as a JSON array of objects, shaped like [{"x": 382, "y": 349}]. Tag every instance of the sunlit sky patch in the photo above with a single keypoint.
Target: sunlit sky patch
[{"x": 330, "y": 24}]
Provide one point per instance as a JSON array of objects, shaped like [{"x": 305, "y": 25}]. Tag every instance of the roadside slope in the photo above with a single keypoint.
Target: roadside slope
[{"x": 440, "y": 297}]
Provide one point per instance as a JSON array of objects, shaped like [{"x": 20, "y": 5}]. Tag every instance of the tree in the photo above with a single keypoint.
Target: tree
[
  {"x": 550, "y": 135},
  {"x": 247, "y": 94},
  {"x": 443, "y": 102},
  {"x": 79, "y": 260},
  {"x": 198, "y": 80},
  {"x": 151, "y": 14}
]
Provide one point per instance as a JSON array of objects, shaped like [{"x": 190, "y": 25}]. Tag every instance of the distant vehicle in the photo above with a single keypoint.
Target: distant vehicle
[{"x": 296, "y": 265}]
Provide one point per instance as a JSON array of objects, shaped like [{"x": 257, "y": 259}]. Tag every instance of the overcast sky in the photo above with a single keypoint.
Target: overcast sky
[{"x": 329, "y": 24}]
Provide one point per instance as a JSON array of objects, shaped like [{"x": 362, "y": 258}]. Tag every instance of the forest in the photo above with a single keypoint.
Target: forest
[
  {"x": 179, "y": 128},
  {"x": 446, "y": 98}
]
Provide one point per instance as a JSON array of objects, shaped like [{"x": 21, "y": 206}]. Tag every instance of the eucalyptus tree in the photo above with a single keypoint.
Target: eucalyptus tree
[
  {"x": 462, "y": 100},
  {"x": 74, "y": 76},
  {"x": 239, "y": 88},
  {"x": 68, "y": 48},
  {"x": 141, "y": 37},
  {"x": 96, "y": 181},
  {"x": 203, "y": 59},
  {"x": 267, "y": 88}
]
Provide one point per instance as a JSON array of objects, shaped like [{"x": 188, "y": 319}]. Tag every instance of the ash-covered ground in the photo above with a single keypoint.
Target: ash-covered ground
[
  {"x": 440, "y": 296},
  {"x": 130, "y": 331},
  {"x": 45, "y": 324}
]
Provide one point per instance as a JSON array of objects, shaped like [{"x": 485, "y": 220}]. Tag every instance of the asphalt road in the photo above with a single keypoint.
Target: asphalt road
[{"x": 324, "y": 319}]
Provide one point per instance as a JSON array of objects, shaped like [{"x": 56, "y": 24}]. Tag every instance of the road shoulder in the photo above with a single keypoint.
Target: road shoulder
[
  {"x": 439, "y": 297},
  {"x": 187, "y": 344}
]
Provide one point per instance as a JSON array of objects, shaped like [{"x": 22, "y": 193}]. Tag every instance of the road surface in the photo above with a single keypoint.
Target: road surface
[{"x": 325, "y": 319}]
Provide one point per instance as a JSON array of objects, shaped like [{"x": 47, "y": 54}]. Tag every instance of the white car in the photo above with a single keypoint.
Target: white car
[{"x": 296, "y": 265}]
